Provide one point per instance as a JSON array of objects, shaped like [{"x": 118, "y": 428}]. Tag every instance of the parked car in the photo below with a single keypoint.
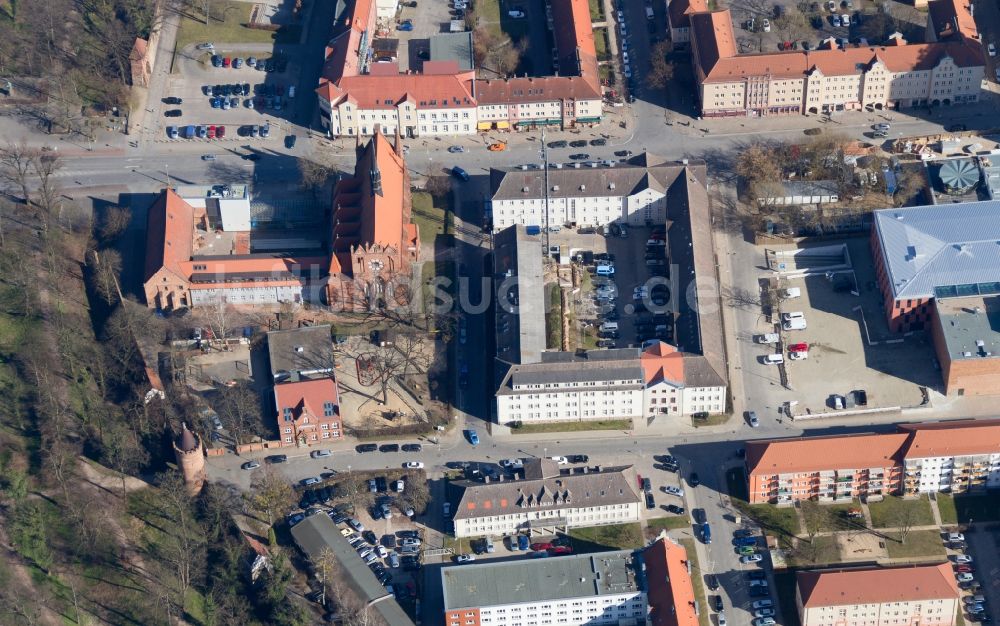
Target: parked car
[
  {"x": 319, "y": 454},
  {"x": 414, "y": 465},
  {"x": 751, "y": 558},
  {"x": 249, "y": 465},
  {"x": 674, "y": 491}
]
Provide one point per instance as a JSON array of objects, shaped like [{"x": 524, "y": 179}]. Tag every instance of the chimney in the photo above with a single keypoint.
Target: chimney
[{"x": 398, "y": 143}]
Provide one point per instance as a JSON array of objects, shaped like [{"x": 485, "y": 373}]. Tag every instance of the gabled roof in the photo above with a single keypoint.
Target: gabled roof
[
  {"x": 574, "y": 35},
  {"x": 939, "y": 246},
  {"x": 877, "y": 585},
  {"x": 307, "y": 397},
  {"x": 663, "y": 362},
  {"x": 428, "y": 91},
  {"x": 712, "y": 38},
  {"x": 671, "y": 591},
  {"x": 946, "y": 439},
  {"x": 952, "y": 19},
  {"x": 678, "y": 11},
  {"x": 814, "y": 454},
  {"x": 532, "y": 89},
  {"x": 169, "y": 234},
  {"x": 575, "y": 488},
  {"x": 583, "y": 182}
]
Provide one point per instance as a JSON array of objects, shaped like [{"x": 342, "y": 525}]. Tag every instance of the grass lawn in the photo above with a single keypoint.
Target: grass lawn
[
  {"x": 837, "y": 516},
  {"x": 779, "y": 521},
  {"x": 698, "y": 582},
  {"x": 668, "y": 523},
  {"x": 919, "y": 543},
  {"x": 596, "y": 10},
  {"x": 566, "y": 427},
  {"x": 458, "y": 545},
  {"x": 977, "y": 508},
  {"x": 225, "y": 26},
  {"x": 613, "y": 537},
  {"x": 428, "y": 274},
  {"x": 784, "y": 585},
  {"x": 553, "y": 318},
  {"x": 431, "y": 221},
  {"x": 820, "y": 551},
  {"x": 601, "y": 44},
  {"x": 946, "y": 507},
  {"x": 194, "y": 607},
  {"x": 711, "y": 420},
  {"x": 886, "y": 513}
]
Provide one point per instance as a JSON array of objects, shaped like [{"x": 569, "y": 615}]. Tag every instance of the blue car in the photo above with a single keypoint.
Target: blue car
[
  {"x": 745, "y": 541},
  {"x": 459, "y": 173},
  {"x": 522, "y": 542},
  {"x": 216, "y": 103},
  {"x": 473, "y": 437},
  {"x": 216, "y": 60},
  {"x": 405, "y": 26}
]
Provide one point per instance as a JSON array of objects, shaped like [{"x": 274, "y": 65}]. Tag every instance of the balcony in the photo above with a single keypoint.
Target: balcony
[{"x": 845, "y": 479}]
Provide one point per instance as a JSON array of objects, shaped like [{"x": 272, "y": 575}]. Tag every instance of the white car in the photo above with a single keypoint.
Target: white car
[
  {"x": 845, "y": 20},
  {"x": 516, "y": 14},
  {"x": 763, "y": 604},
  {"x": 766, "y": 26},
  {"x": 511, "y": 463},
  {"x": 956, "y": 537},
  {"x": 674, "y": 491},
  {"x": 964, "y": 577},
  {"x": 318, "y": 454},
  {"x": 751, "y": 558},
  {"x": 413, "y": 465},
  {"x": 992, "y": 50},
  {"x": 625, "y": 57},
  {"x": 382, "y": 552},
  {"x": 963, "y": 558},
  {"x": 561, "y": 460},
  {"x": 464, "y": 558},
  {"x": 627, "y": 72},
  {"x": 411, "y": 541},
  {"x": 721, "y": 617},
  {"x": 211, "y": 46},
  {"x": 764, "y": 613}
]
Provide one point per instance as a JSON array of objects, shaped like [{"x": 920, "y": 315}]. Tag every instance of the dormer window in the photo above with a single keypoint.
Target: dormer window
[
  {"x": 287, "y": 414},
  {"x": 329, "y": 410}
]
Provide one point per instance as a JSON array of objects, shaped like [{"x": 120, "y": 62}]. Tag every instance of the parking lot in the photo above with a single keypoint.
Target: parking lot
[
  {"x": 631, "y": 304},
  {"x": 843, "y": 354},
  {"x": 258, "y": 93}
]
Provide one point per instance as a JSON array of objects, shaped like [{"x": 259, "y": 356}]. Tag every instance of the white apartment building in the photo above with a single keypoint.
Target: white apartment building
[
  {"x": 952, "y": 459},
  {"x": 680, "y": 383},
  {"x": 891, "y": 596},
  {"x": 601, "y": 589},
  {"x": 592, "y": 194},
  {"x": 566, "y": 386},
  {"x": 546, "y": 500}
]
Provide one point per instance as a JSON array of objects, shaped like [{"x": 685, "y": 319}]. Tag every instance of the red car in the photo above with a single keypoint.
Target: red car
[
  {"x": 541, "y": 546},
  {"x": 211, "y": 132},
  {"x": 964, "y": 569},
  {"x": 560, "y": 550},
  {"x": 226, "y": 62},
  {"x": 798, "y": 347},
  {"x": 220, "y": 132}
]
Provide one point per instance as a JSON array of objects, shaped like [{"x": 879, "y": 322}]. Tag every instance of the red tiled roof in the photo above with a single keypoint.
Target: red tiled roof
[
  {"x": 952, "y": 438},
  {"x": 877, "y": 585},
  {"x": 531, "y": 89},
  {"x": 169, "y": 234},
  {"x": 671, "y": 592},
  {"x": 574, "y": 35},
  {"x": 428, "y": 90},
  {"x": 952, "y": 19},
  {"x": 662, "y": 361},
  {"x": 813, "y": 454},
  {"x": 307, "y": 397}
]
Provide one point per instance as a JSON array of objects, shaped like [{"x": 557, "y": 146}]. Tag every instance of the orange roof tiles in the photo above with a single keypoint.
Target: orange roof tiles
[
  {"x": 307, "y": 397},
  {"x": 428, "y": 90},
  {"x": 814, "y": 454},
  {"x": 877, "y": 585},
  {"x": 671, "y": 591},
  {"x": 712, "y": 37},
  {"x": 169, "y": 234},
  {"x": 384, "y": 223},
  {"x": 545, "y": 89},
  {"x": 662, "y": 361},
  {"x": 679, "y": 10},
  {"x": 947, "y": 439},
  {"x": 952, "y": 19}
]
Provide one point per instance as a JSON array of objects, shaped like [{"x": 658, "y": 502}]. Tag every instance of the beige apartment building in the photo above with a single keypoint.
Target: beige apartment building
[
  {"x": 947, "y": 70},
  {"x": 891, "y": 596}
]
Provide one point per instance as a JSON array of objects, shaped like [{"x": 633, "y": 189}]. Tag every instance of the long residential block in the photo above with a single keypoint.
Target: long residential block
[{"x": 956, "y": 457}]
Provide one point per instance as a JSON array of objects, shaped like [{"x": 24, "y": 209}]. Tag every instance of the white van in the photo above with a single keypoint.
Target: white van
[
  {"x": 605, "y": 270},
  {"x": 774, "y": 359},
  {"x": 768, "y": 338},
  {"x": 794, "y": 324},
  {"x": 489, "y": 545},
  {"x": 609, "y": 327},
  {"x": 794, "y": 315}
]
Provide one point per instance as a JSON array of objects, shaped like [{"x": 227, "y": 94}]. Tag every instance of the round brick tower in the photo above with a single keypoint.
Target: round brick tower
[{"x": 190, "y": 459}]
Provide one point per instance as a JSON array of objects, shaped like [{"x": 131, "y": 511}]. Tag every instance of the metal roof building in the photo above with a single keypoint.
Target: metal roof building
[{"x": 940, "y": 251}]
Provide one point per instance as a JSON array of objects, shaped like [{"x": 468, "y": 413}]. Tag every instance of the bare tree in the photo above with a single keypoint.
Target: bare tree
[
  {"x": 407, "y": 355},
  {"x": 903, "y": 519},
  {"x": 184, "y": 548},
  {"x": 107, "y": 269},
  {"x": 314, "y": 175},
  {"x": 122, "y": 450},
  {"x": 239, "y": 410},
  {"x": 438, "y": 186},
  {"x": 16, "y": 164},
  {"x": 114, "y": 221},
  {"x": 270, "y": 493},
  {"x": 45, "y": 168},
  {"x": 661, "y": 71},
  {"x": 220, "y": 317}
]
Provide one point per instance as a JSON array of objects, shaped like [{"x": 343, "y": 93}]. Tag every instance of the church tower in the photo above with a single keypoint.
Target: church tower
[{"x": 190, "y": 459}]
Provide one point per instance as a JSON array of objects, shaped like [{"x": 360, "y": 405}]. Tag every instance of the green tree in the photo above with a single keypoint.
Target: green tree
[
  {"x": 28, "y": 534},
  {"x": 270, "y": 493}
]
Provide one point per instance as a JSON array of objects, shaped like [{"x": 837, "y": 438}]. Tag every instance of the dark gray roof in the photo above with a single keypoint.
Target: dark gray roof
[
  {"x": 317, "y": 533},
  {"x": 940, "y": 246},
  {"x": 566, "y": 367},
  {"x": 535, "y": 580},
  {"x": 970, "y": 327},
  {"x": 572, "y": 488},
  {"x": 305, "y": 351},
  {"x": 582, "y": 182},
  {"x": 517, "y": 264},
  {"x": 699, "y": 372}
]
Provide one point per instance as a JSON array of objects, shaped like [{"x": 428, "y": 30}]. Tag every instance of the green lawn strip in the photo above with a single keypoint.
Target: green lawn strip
[
  {"x": 194, "y": 606},
  {"x": 821, "y": 550},
  {"x": 888, "y": 512},
  {"x": 488, "y": 11},
  {"x": 430, "y": 220},
  {"x": 612, "y": 537},
  {"x": 711, "y": 420},
  {"x": 780, "y": 521},
  {"x": 947, "y": 509},
  {"x": 784, "y": 585},
  {"x": 668, "y": 523},
  {"x": 697, "y": 581},
  {"x": 553, "y": 318},
  {"x": 601, "y": 44},
  {"x": 919, "y": 543},
  {"x": 596, "y": 10},
  {"x": 565, "y": 427},
  {"x": 837, "y": 516},
  {"x": 976, "y": 508},
  {"x": 227, "y": 25}
]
